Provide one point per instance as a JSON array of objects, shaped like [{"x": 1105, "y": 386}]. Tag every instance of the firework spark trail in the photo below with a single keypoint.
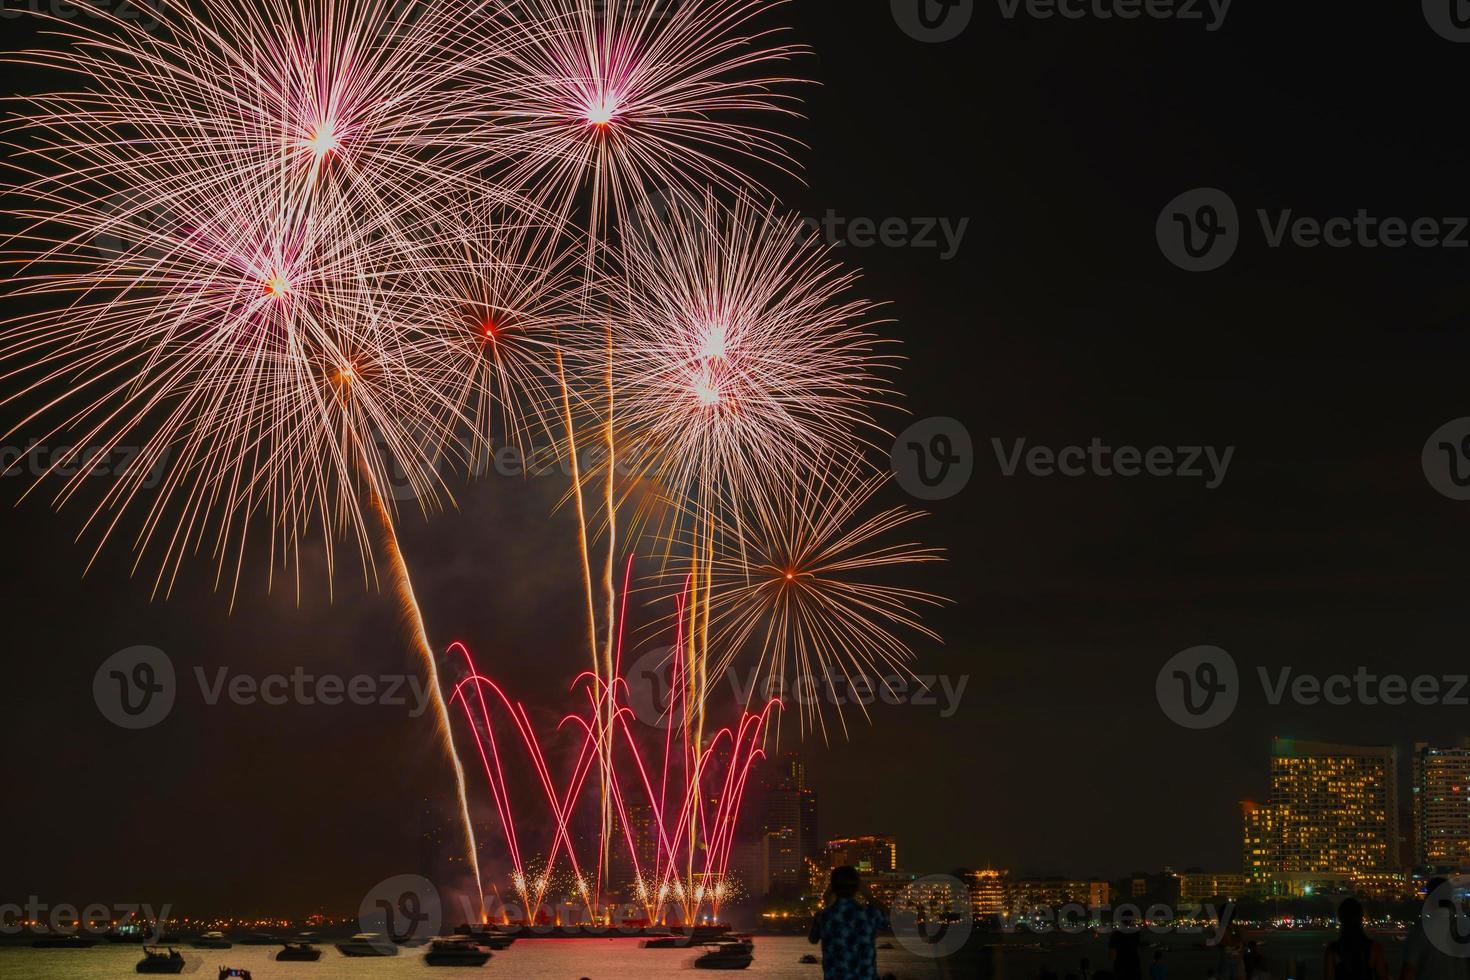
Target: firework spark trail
[
  {"x": 692, "y": 868},
  {"x": 414, "y": 619}
]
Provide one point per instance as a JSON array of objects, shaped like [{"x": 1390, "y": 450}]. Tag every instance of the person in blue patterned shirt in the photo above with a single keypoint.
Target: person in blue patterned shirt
[{"x": 846, "y": 927}]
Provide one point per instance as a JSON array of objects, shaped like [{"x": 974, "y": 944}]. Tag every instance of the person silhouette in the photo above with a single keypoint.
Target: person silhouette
[
  {"x": 1159, "y": 970},
  {"x": 1353, "y": 956},
  {"x": 1423, "y": 958},
  {"x": 847, "y": 928}
]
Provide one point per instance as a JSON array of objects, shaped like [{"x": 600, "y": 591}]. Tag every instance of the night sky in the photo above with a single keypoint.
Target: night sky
[{"x": 1058, "y": 321}]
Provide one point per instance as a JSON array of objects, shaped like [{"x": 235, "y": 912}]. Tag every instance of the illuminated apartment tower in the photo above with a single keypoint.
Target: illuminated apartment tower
[
  {"x": 1333, "y": 812},
  {"x": 1262, "y": 852},
  {"x": 791, "y": 825},
  {"x": 1441, "y": 806}
]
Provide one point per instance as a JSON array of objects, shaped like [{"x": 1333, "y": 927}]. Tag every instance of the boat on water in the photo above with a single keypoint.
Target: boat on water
[
  {"x": 299, "y": 951},
  {"x": 695, "y": 935},
  {"x": 368, "y": 944},
  {"x": 64, "y": 942},
  {"x": 488, "y": 936},
  {"x": 667, "y": 942},
  {"x": 725, "y": 956},
  {"x": 261, "y": 939},
  {"x": 456, "y": 951},
  {"x": 156, "y": 960},
  {"x": 212, "y": 940},
  {"x": 809, "y": 958}
]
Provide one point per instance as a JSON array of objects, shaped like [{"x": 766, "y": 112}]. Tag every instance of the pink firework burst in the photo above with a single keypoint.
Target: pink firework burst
[
  {"x": 740, "y": 357},
  {"x": 624, "y": 96}
]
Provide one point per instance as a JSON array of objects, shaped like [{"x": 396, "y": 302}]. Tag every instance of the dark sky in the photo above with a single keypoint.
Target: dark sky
[{"x": 1059, "y": 320}]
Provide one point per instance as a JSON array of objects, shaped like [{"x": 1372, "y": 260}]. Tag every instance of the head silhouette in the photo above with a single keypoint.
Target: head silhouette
[
  {"x": 845, "y": 881},
  {"x": 1353, "y": 938}
]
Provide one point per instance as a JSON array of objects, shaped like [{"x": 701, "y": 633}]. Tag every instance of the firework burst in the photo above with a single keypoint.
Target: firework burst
[
  {"x": 628, "y": 95},
  {"x": 340, "y": 104},
  {"x": 219, "y": 341},
  {"x": 740, "y": 357},
  {"x": 803, "y": 590},
  {"x": 507, "y": 287}
]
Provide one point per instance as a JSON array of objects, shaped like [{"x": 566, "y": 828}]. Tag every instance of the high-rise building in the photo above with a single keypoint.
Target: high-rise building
[
  {"x": 1441, "y": 806},
  {"x": 627, "y": 862},
  {"x": 878, "y": 852},
  {"x": 987, "y": 892},
  {"x": 1333, "y": 812},
  {"x": 790, "y": 825},
  {"x": 1262, "y": 858}
]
